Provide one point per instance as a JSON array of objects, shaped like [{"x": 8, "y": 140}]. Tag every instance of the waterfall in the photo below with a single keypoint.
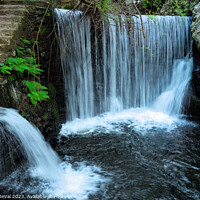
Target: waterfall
[
  {"x": 171, "y": 100},
  {"x": 57, "y": 179},
  {"x": 37, "y": 151},
  {"x": 77, "y": 64},
  {"x": 123, "y": 69}
]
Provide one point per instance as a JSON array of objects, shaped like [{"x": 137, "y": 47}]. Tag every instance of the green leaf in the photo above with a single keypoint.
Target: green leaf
[
  {"x": 25, "y": 41},
  {"x": 5, "y": 69},
  {"x": 37, "y": 91},
  {"x": 30, "y": 60}
]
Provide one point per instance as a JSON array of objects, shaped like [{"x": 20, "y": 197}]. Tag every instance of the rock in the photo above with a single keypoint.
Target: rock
[
  {"x": 195, "y": 27},
  {"x": 165, "y": 10},
  {"x": 12, "y": 155},
  {"x": 194, "y": 106},
  {"x": 15, "y": 93}
]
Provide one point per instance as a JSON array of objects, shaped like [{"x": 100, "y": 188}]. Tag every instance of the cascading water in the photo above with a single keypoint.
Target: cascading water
[
  {"x": 37, "y": 151},
  {"x": 171, "y": 100},
  {"x": 76, "y": 51},
  {"x": 129, "y": 70},
  {"x": 57, "y": 179}
]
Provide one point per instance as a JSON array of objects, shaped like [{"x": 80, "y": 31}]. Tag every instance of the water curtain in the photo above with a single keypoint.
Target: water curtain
[{"x": 121, "y": 69}]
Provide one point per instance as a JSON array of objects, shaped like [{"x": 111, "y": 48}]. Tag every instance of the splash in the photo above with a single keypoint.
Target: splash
[{"x": 57, "y": 178}]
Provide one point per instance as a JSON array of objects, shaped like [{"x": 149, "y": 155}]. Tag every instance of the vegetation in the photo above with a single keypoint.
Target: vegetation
[
  {"x": 152, "y": 6},
  {"x": 175, "y": 7},
  {"x": 24, "y": 65}
]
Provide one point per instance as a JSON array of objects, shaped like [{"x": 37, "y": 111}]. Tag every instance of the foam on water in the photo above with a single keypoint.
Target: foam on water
[
  {"x": 76, "y": 184},
  {"x": 140, "y": 119},
  {"x": 56, "y": 178}
]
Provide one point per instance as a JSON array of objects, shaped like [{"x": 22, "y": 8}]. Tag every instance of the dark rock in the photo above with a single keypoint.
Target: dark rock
[
  {"x": 194, "y": 106},
  {"x": 12, "y": 155},
  {"x": 195, "y": 27},
  {"x": 196, "y": 82}
]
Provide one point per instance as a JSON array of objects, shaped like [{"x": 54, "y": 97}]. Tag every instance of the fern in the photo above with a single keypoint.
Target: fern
[
  {"x": 18, "y": 66},
  {"x": 37, "y": 91},
  {"x": 22, "y": 65}
]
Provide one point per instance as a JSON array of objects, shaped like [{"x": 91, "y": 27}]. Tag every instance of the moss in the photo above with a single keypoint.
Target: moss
[
  {"x": 55, "y": 111},
  {"x": 68, "y": 6},
  {"x": 45, "y": 116},
  {"x": 52, "y": 90},
  {"x": 52, "y": 103}
]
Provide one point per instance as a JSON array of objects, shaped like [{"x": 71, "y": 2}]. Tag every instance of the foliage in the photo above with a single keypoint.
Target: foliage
[
  {"x": 152, "y": 6},
  {"x": 25, "y": 64},
  {"x": 5, "y": 69},
  {"x": 25, "y": 115},
  {"x": 25, "y": 41},
  {"x": 177, "y": 7},
  {"x": 180, "y": 7},
  {"x": 21, "y": 65},
  {"x": 106, "y": 7},
  {"x": 37, "y": 91}
]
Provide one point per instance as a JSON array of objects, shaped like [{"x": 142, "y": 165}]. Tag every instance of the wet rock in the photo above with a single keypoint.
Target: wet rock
[
  {"x": 11, "y": 153},
  {"x": 196, "y": 82},
  {"x": 194, "y": 106},
  {"x": 195, "y": 27},
  {"x": 15, "y": 93}
]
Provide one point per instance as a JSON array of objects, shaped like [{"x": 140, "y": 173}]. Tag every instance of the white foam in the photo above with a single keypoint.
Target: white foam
[
  {"x": 140, "y": 119},
  {"x": 76, "y": 184},
  {"x": 58, "y": 178}
]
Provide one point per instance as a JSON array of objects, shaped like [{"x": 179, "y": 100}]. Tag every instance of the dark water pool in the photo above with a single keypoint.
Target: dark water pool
[
  {"x": 151, "y": 164},
  {"x": 155, "y": 165}
]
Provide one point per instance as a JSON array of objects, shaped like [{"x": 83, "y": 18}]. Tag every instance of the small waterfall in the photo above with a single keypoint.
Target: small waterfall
[
  {"x": 57, "y": 179},
  {"x": 128, "y": 70},
  {"x": 36, "y": 150},
  {"x": 171, "y": 100}
]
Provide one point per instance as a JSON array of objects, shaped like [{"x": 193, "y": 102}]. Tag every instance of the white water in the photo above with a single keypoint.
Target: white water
[
  {"x": 58, "y": 179},
  {"x": 139, "y": 81},
  {"x": 127, "y": 70},
  {"x": 76, "y": 56},
  {"x": 171, "y": 100}
]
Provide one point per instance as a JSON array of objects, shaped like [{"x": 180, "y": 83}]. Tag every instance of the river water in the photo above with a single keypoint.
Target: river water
[
  {"x": 135, "y": 154},
  {"x": 142, "y": 159}
]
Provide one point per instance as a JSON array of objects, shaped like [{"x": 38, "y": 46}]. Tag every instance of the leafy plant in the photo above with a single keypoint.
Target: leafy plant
[
  {"x": 180, "y": 7},
  {"x": 177, "y": 7},
  {"x": 19, "y": 51},
  {"x": 106, "y": 7},
  {"x": 25, "y": 41},
  {"x": 37, "y": 91},
  {"x": 22, "y": 65},
  {"x": 152, "y": 6},
  {"x": 5, "y": 69},
  {"x": 25, "y": 115}
]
